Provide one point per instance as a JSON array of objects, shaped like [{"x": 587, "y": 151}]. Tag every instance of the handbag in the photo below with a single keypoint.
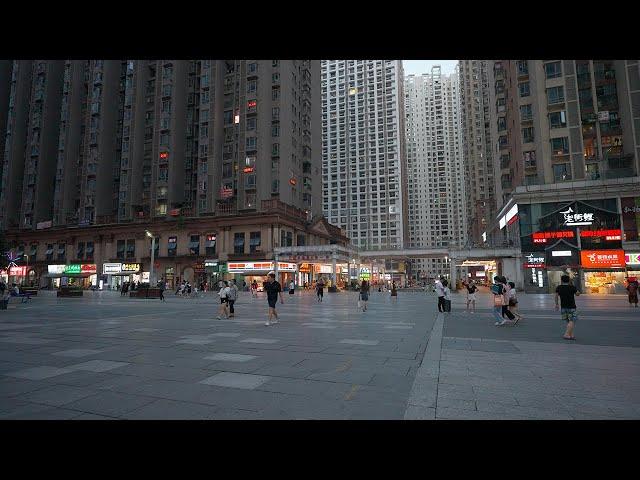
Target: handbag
[{"x": 498, "y": 301}]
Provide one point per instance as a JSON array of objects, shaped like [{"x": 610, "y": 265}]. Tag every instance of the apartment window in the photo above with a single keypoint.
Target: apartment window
[
  {"x": 529, "y": 159},
  {"x": 552, "y": 70},
  {"x": 524, "y": 89},
  {"x": 555, "y": 95},
  {"x": 275, "y": 130},
  {"x": 557, "y": 119},
  {"x": 250, "y": 181},
  {"x": 252, "y": 67},
  {"x": 194, "y": 245},
  {"x": 562, "y": 172},
  {"x": 172, "y": 246},
  {"x": 80, "y": 251},
  {"x": 163, "y": 173},
  {"x": 275, "y": 93},
  {"x": 251, "y": 123},
  {"x": 131, "y": 248},
  {"x": 250, "y": 200},
  {"x": 252, "y": 86},
  {"x": 120, "y": 249},
  {"x": 34, "y": 251},
  {"x": 89, "y": 251},
  {"x": 238, "y": 243},
  {"x": 523, "y": 67},
  {"x": 210, "y": 245},
  {"x": 274, "y": 63},
  {"x": 527, "y": 135},
  {"x": 275, "y": 149},
  {"x": 254, "y": 242},
  {"x": 251, "y": 143},
  {"x": 560, "y": 146},
  {"x": 275, "y": 78},
  {"x": 526, "y": 113}
]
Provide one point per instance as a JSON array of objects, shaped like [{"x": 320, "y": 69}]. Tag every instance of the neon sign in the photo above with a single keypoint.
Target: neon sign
[{"x": 572, "y": 218}]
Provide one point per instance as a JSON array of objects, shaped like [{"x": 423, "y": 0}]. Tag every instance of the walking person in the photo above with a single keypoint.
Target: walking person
[
  {"x": 447, "y": 296},
  {"x": 439, "y": 288},
  {"x": 224, "y": 301},
  {"x": 505, "y": 303},
  {"x": 394, "y": 291},
  {"x": 364, "y": 294},
  {"x": 498, "y": 300},
  {"x": 512, "y": 302},
  {"x": 273, "y": 289},
  {"x": 161, "y": 286},
  {"x": 232, "y": 296},
  {"x": 254, "y": 288},
  {"x": 567, "y": 294},
  {"x": 292, "y": 287},
  {"x": 471, "y": 295},
  {"x": 320, "y": 290},
  {"x": 632, "y": 288}
]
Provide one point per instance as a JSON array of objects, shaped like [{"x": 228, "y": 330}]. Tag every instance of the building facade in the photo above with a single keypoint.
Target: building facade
[
  {"x": 436, "y": 208},
  {"x": 477, "y": 145},
  {"x": 93, "y": 145},
  {"x": 363, "y": 158}
]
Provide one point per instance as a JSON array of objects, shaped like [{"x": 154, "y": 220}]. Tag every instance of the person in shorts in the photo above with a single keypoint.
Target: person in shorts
[
  {"x": 567, "y": 294},
  {"x": 224, "y": 301},
  {"x": 471, "y": 295},
  {"x": 273, "y": 289},
  {"x": 320, "y": 290}
]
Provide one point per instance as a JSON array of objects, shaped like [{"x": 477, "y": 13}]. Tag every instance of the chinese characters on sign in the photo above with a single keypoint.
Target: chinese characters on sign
[
  {"x": 543, "y": 237},
  {"x": 602, "y": 258},
  {"x": 572, "y": 218},
  {"x": 534, "y": 261}
]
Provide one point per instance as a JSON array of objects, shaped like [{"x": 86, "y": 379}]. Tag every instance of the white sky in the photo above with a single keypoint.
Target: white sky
[{"x": 418, "y": 67}]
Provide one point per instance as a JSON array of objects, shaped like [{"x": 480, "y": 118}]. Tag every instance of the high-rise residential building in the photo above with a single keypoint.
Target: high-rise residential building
[
  {"x": 193, "y": 149},
  {"x": 564, "y": 120},
  {"x": 363, "y": 169},
  {"x": 435, "y": 175},
  {"x": 477, "y": 147}
]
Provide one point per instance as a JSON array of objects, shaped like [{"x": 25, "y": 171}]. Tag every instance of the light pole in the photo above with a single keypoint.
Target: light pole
[{"x": 152, "y": 282}]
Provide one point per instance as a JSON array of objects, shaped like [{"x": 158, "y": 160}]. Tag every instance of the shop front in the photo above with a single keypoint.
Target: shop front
[
  {"x": 632, "y": 260},
  {"x": 604, "y": 271},
  {"x": 535, "y": 273},
  {"x": 114, "y": 275},
  {"x": 214, "y": 271},
  {"x": 250, "y": 271},
  {"x": 82, "y": 275}
]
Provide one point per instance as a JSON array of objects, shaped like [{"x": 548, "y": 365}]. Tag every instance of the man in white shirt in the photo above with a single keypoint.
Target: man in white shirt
[{"x": 440, "y": 293}]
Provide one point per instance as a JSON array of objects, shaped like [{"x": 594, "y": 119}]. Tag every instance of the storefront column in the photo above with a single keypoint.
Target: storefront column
[
  {"x": 275, "y": 264},
  {"x": 333, "y": 270},
  {"x": 452, "y": 274}
]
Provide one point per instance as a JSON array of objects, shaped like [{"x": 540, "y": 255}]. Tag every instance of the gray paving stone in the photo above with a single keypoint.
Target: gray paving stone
[
  {"x": 57, "y": 395},
  {"x": 230, "y": 357},
  {"x": 195, "y": 341},
  {"x": 97, "y": 365},
  {"x": 226, "y": 334},
  {"x": 259, "y": 340},
  {"x": 38, "y": 373},
  {"x": 112, "y": 404},
  {"x": 236, "y": 380},
  {"x": 355, "y": 341},
  {"x": 416, "y": 412},
  {"x": 163, "y": 409},
  {"x": 77, "y": 352}
]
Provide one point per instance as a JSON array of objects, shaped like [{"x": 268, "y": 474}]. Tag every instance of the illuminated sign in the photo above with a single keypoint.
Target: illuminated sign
[
  {"x": 236, "y": 118},
  {"x": 252, "y": 104},
  {"x": 608, "y": 234},
  {"x": 131, "y": 267},
  {"x": 55, "y": 269},
  {"x": 174, "y": 212},
  {"x": 634, "y": 209},
  {"x": 602, "y": 258},
  {"x": 110, "y": 268},
  {"x": 365, "y": 273},
  {"x": 510, "y": 217},
  {"x": 632, "y": 258},
  {"x": 211, "y": 263},
  {"x": 236, "y": 267},
  {"x": 480, "y": 274},
  {"x": 572, "y": 218},
  {"x": 561, "y": 253},
  {"x": 293, "y": 181},
  {"x": 305, "y": 268},
  {"x": 173, "y": 239},
  {"x": 484, "y": 237},
  {"x": 512, "y": 212},
  {"x": 248, "y": 169},
  {"x": 534, "y": 261},
  {"x": 164, "y": 155},
  {"x": 226, "y": 192},
  {"x": 17, "y": 271},
  {"x": 543, "y": 237},
  {"x": 503, "y": 222},
  {"x": 41, "y": 225}
]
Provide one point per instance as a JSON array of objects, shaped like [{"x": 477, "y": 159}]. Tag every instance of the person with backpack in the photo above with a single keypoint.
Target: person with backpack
[
  {"x": 363, "y": 296},
  {"x": 439, "y": 288},
  {"x": 632, "y": 289},
  {"x": 498, "y": 301},
  {"x": 505, "y": 300},
  {"x": 224, "y": 301},
  {"x": 567, "y": 294},
  {"x": 447, "y": 296},
  {"x": 232, "y": 296},
  {"x": 471, "y": 295}
]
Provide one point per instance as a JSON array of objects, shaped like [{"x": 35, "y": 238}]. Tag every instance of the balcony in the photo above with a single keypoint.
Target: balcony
[
  {"x": 277, "y": 206},
  {"x": 608, "y": 102}
]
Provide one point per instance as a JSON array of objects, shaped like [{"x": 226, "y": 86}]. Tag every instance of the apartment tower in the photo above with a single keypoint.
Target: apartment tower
[
  {"x": 363, "y": 169},
  {"x": 436, "y": 211}
]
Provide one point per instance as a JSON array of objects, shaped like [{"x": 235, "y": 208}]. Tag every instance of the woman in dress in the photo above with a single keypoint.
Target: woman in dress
[{"x": 394, "y": 291}]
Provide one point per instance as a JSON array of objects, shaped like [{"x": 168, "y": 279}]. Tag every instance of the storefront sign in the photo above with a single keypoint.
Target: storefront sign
[
  {"x": 608, "y": 234},
  {"x": 534, "y": 261},
  {"x": 198, "y": 267},
  {"x": 43, "y": 225},
  {"x": 324, "y": 269},
  {"x": 509, "y": 217},
  {"x": 55, "y": 269},
  {"x": 211, "y": 263},
  {"x": 304, "y": 268},
  {"x": 632, "y": 258},
  {"x": 110, "y": 268},
  {"x": 634, "y": 209},
  {"x": 365, "y": 273},
  {"x": 543, "y": 237},
  {"x": 260, "y": 266},
  {"x": 572, "y": 218},
  {"x": 561, "y": 253},
  {"x": 18, "y": 271},
  {"x": 602, "y": 258},
  {"x": 131, "y": 267}
]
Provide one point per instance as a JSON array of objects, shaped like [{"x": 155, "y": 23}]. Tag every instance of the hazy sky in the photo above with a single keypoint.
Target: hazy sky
[{"x": 418, "y": 67}]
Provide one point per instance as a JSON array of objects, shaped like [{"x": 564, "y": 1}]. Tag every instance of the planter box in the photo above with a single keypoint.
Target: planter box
[
  {"x": 145, "y": 293},
  {"x": 69, "y": 292}
]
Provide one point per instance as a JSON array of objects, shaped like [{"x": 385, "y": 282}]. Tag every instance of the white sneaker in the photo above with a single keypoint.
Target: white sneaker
[
  {"x": 497, "y": 324},
  {"x": 267, "y": 324},
  {"x": 503, "y": 322},
  {"x": 275, "y": 321},
  {"x": 218, "y": 318}
]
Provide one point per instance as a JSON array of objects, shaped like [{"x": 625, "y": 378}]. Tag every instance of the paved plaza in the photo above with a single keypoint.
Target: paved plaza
[{"x": 109, "y": 357}]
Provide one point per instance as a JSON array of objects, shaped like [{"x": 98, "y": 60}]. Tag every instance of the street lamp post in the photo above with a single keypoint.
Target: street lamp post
[{"x": 153, "y": 251}]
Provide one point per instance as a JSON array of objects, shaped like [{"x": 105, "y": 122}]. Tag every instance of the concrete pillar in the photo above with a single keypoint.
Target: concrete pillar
[
  {"x": 452, "y": 274},
  {"x": 333, "y": 270},
  {"x": 276, "y": 258}
]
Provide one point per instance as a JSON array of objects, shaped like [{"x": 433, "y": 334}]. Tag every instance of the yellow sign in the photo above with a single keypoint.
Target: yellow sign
[{"x": 130, "y": 267}]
